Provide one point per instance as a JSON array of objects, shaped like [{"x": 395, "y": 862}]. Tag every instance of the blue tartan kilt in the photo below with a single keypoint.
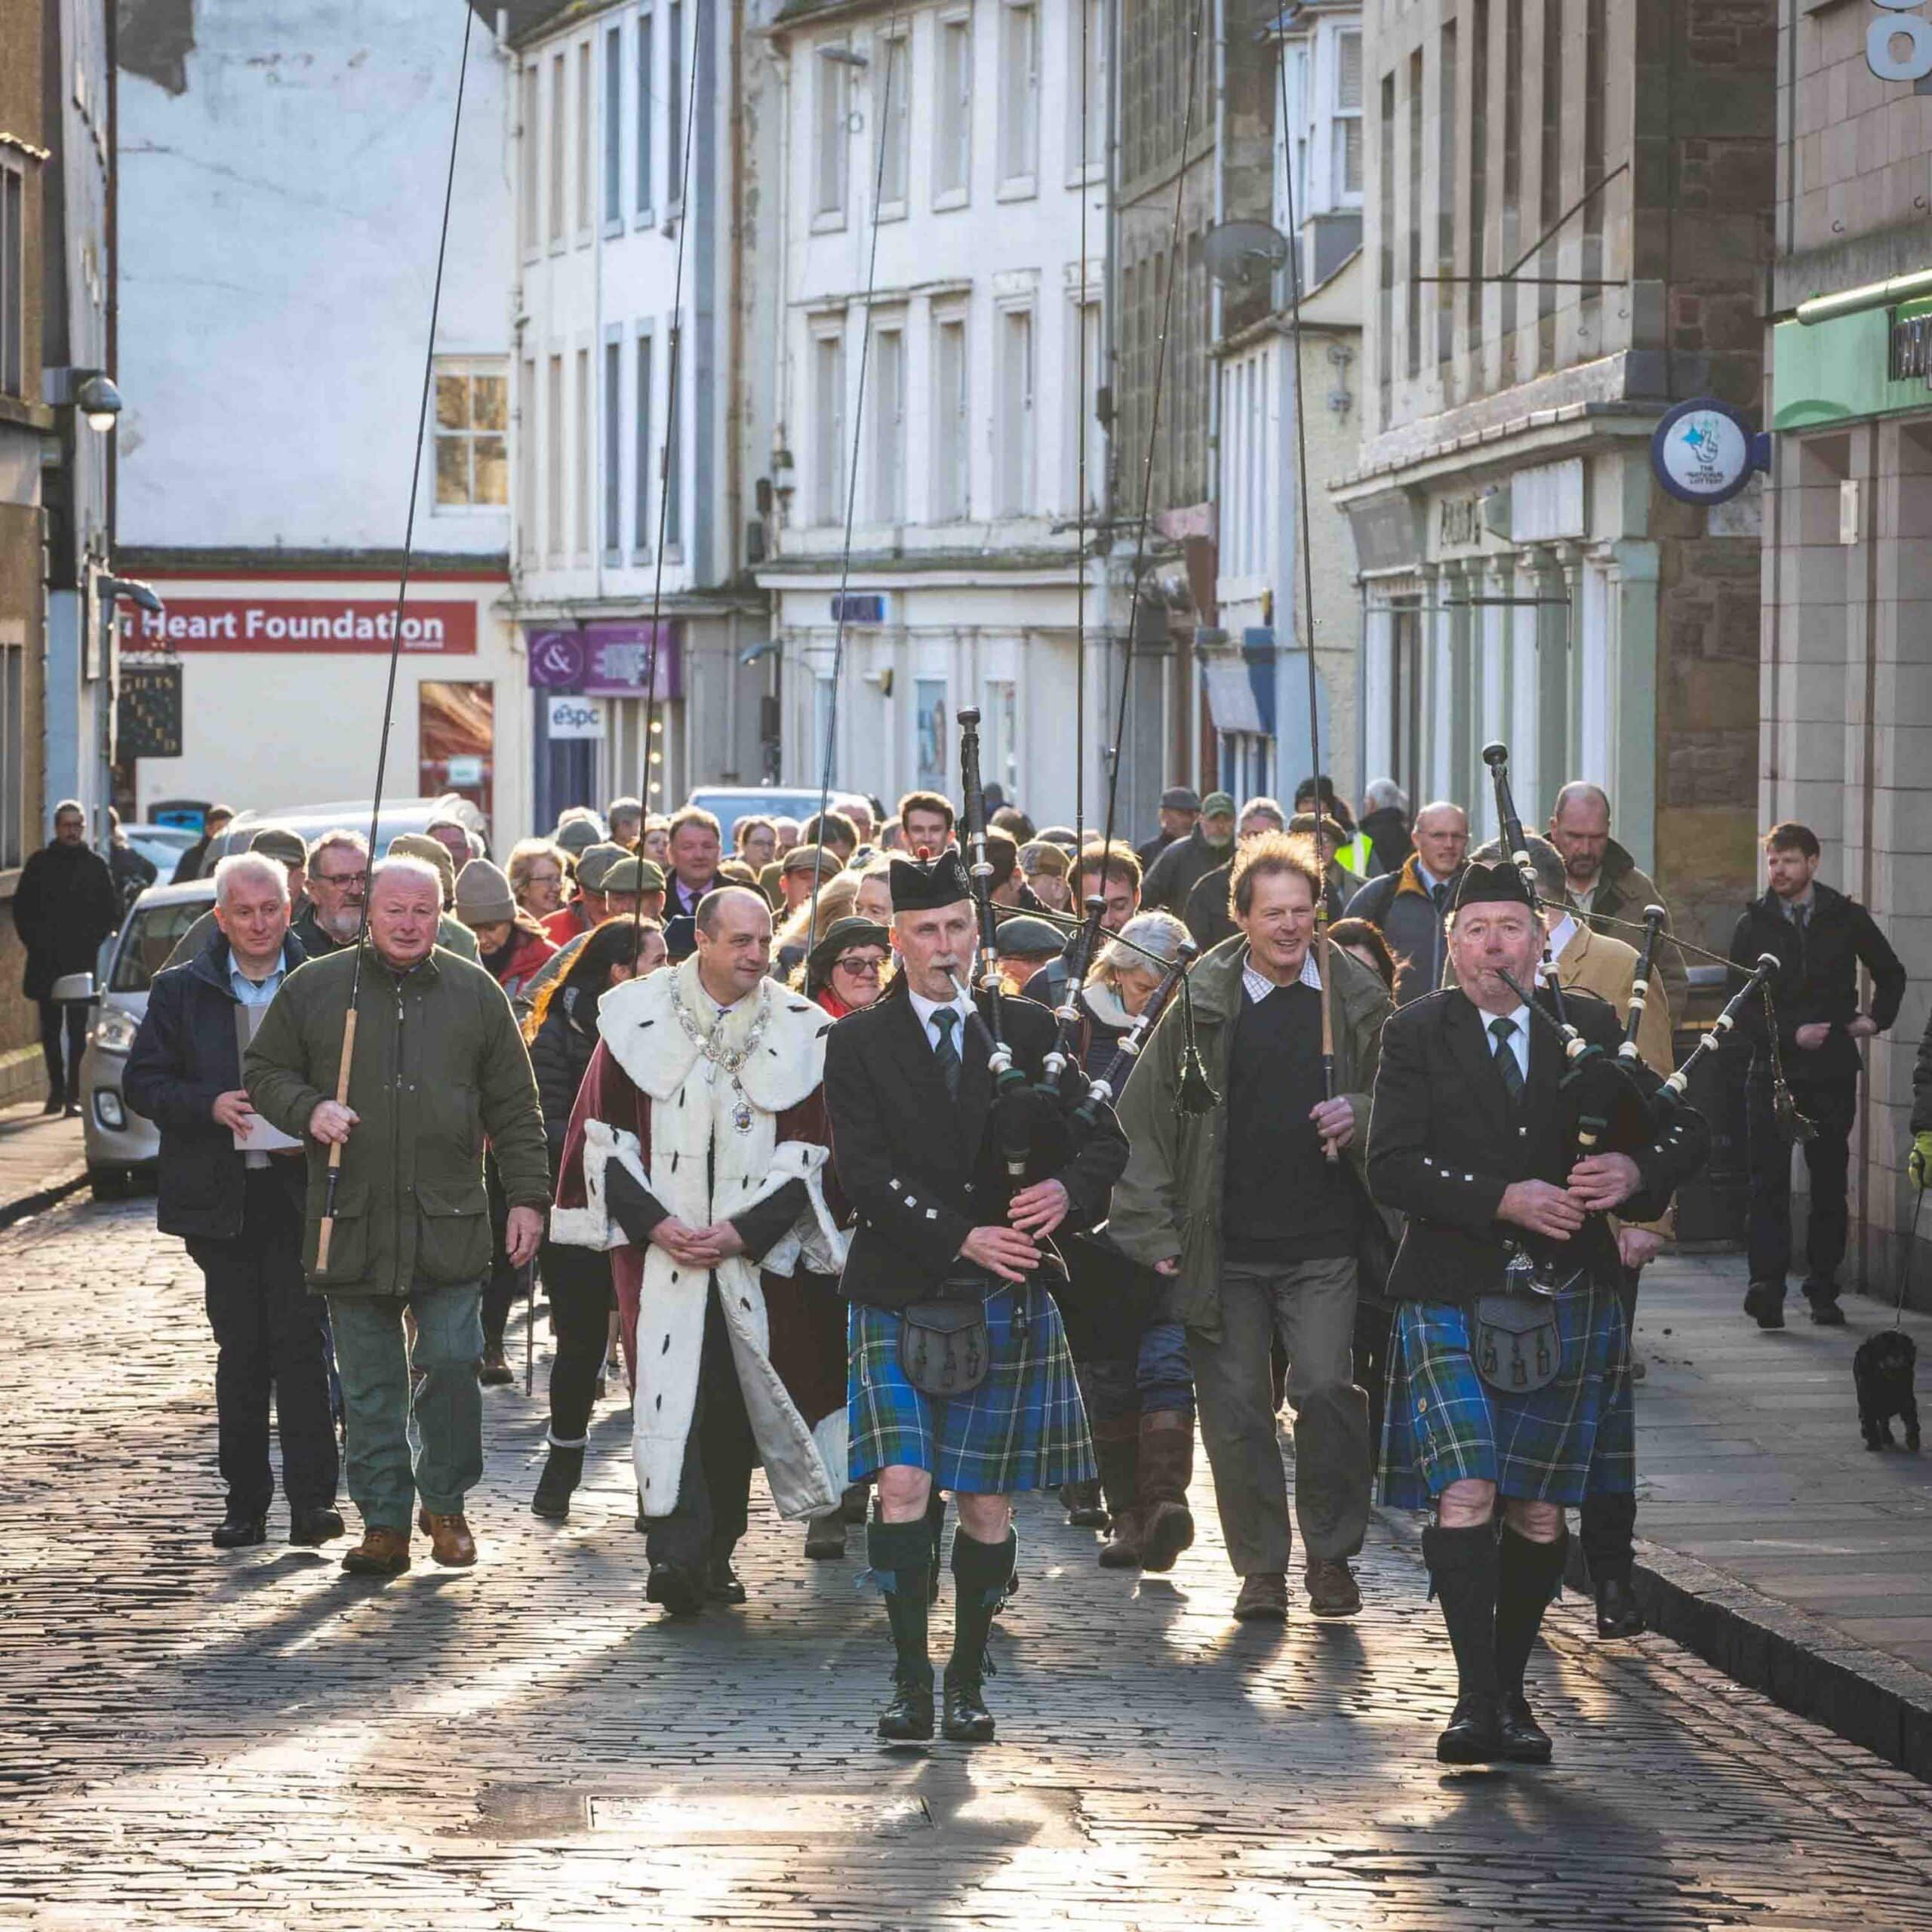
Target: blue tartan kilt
[
  {"x": 1023, "y": 1428},
  {"x": 1443, "y": 1423}
]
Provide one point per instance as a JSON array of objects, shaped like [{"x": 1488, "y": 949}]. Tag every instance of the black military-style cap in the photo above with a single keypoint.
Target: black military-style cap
[
  {"x": 925, "y": 885},
  {"x": 1500, "y": 884}
]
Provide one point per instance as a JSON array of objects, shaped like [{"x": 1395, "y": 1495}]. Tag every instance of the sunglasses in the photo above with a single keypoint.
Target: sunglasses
[{"x": 863, "y": 968}]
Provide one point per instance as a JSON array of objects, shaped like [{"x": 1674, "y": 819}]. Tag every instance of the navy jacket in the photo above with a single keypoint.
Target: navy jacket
[{"x": 185, "y": 1056}]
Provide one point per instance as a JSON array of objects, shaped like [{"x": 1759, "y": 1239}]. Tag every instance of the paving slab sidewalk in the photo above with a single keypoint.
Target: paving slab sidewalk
[
  {"x": 1771, "y": 1541},
  {"x": 42, "y": 1160}
]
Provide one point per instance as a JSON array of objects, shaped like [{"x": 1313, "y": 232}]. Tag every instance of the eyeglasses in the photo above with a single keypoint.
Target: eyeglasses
[
  {"x": 340, "y": 878},
  {"x": 863, "y": 969},
  {"x": 543, "y": 878}
]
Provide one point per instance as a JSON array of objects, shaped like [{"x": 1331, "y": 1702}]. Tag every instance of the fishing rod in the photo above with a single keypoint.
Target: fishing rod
[
  {"x": 325, "y": 1234},
  {"x": 1005, "y": 1075}
]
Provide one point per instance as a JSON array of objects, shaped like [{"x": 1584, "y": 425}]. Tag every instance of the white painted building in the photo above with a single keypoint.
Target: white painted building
[
  {"x": 962, "y": 408},
  {"x": 1254, "y": 661},
  {"x": 616, "y": 520},
  {"x": 281, "y": 191}
]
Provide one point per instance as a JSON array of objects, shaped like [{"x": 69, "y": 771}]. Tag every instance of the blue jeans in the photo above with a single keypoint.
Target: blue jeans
[
  {"x": 1157, "y": 1377},
  {"x": 442, "y": 1423}
]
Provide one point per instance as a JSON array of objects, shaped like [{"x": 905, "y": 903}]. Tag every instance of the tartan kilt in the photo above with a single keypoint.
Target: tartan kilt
[
  {"x": 1023, "y": 1428},
  {"x": 1443, "y": 1423}
]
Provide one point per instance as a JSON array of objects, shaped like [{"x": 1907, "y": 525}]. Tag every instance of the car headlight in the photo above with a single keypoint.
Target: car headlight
[
  {"x": 115, "y": 1030},
  {"x": 107, "y": 1109}
]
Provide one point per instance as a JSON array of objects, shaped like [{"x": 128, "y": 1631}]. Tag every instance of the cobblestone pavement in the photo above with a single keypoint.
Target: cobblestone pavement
[{"x": 191, "y": 1740}]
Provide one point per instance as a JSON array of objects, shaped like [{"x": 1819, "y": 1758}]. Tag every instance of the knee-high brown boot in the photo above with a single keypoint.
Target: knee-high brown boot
[
  {"x": 1115, "y": 1448},
  {"x": 1166, "y": 1467}
]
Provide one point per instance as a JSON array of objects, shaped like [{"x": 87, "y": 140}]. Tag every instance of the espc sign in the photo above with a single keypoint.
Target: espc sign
[
  {"x": 576, "y": 718},
  {"x": 1898, "y": 42}
]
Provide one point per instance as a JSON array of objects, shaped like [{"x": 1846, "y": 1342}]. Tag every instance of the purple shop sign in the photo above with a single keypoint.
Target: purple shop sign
[{"x": 610, "y": 660}]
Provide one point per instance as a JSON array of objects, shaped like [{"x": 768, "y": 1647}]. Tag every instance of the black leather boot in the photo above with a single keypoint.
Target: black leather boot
[
  {"x": 900, "y": 1556},
  {"x": 563, "y": 1470},
  {"x": 1619, "y": 1613},
  {"x": 240, "y": 1529},
  {"x": 1462, "y": 1566},
  {"x": 980, "y": 1571},
  {"x": 1528, "y": 1576}
]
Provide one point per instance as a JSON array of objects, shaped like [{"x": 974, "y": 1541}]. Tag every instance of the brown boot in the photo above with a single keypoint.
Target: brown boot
[
  {"x": 1165, "y": 1468},
  {"x": 382, "y": 1553},
  {"x": 1114, "y": 1449},
  {"x": 450, "y": 1542}
]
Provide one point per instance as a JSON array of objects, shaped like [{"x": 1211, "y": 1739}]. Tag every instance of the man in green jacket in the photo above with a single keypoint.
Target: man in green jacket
[
  {"x": 438, "y": 1067},
  {"x": 1260, "y": 1227}
]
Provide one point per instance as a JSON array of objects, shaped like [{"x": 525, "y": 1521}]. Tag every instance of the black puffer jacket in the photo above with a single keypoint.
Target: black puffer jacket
[{"x": 560, "y": 1050}]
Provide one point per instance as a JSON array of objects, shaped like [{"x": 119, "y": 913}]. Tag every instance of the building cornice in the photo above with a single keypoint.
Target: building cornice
[
  {"x": 425, "y": 566},
  {"x": 1503, "y": 445}
]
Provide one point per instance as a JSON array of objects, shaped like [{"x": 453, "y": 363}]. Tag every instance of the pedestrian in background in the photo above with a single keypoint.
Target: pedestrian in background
[
  {"x": 1180, "y": 806},
  {"x": 1045, "y": 866},
  {"x": 1207, "y": 912},
  {"x": 1410, "y": 905},
  {"x": 537, "y": 870},
  {"x": 239, "y": 1210},
  {"x": 1602, "y": 881},
  {"x": 1820, "y": 938},
  {"x": 756, "y": 838},
  {"x": 452, "y": 935},
  {"x": 214, "y": 822},
  {"x": 439, "y": 1068},
  {"x": 132, "y": 875},
  {"x": 626, "y": 822},
  {"x": 1384, "y": 829},
  {"x": 281, "y": 847},
  {"x": 65, "y": 905},
  {"x": 337, "y": 881},
  {"x": 1209, "y": 844},
  {"x": 696, "y": 845}
]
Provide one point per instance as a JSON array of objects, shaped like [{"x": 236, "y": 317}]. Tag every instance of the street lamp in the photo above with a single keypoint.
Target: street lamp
[
  {"x": 98, "y": 400},
  {"x": 135, "y": 591}
]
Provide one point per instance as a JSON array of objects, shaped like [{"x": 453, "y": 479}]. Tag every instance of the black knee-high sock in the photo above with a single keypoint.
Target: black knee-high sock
[
  {"x": 935, "y": 1532},
  {"x": 1528, "y": 1576},
  {"x": 979, "y": 1573},
  {"x": 900, "y": 1554},
  {"x": 1462, "y": 1566}
]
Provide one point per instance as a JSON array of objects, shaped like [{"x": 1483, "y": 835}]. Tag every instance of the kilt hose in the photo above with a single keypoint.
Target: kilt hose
[
  {"x": 1443, "y": 1423},
  {"x": 1023, "y": 1428}
]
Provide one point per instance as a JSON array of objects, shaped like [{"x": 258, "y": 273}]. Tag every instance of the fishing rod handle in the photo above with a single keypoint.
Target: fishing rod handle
[{"x": 324, "y": 1234}]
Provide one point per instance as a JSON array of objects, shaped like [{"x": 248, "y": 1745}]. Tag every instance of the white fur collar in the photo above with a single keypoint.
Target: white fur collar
[
  {"x": 1104, "y": 1003},
  {"x": 639, "y": 1022}
]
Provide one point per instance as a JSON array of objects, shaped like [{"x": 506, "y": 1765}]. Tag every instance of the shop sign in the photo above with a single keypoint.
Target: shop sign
[
  {"x": 575, "y": 718},
  {"x": 1909, "y": 347},
  {"x": 859, "y": 606},
  {"x": 1898, "y": 41},
  {"x": 1704, "y": 452},
  {"x": 609, "y": 660},
  {"x": 147, "y": 713},
  {"x": 278, "y": 626}
]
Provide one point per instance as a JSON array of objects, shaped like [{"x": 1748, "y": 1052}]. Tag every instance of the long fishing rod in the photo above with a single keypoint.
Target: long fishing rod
[
  {"x": 326, "y": 1232},
  {"x": 1323, "y": 956},
  {"x": 671, "y": 428},
  {"x": 892, "y": 41}
]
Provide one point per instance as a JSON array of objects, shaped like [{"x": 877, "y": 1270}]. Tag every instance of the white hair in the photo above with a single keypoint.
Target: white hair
[
  {"x": 348, "y": 841},
  {"x": 1384, "y": 793},
  {"x": 1156, "y": 932},
  {"x": 401, "y": 866},
  {"x": 240, "y": 867},
  {"x": 1267, "y": 807}
]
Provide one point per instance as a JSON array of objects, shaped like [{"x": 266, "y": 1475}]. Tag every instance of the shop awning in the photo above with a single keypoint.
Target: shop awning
[{"x": 1230, "y": 698}]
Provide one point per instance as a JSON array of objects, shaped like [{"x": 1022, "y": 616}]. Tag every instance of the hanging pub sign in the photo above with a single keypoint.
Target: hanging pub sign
[
  {"x": 147, "y": 712},
  {"x": 1704, "y": 452}
]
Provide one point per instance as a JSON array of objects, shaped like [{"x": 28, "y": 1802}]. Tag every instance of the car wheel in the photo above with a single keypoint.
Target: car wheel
[{"x": 108, "y": 1183}]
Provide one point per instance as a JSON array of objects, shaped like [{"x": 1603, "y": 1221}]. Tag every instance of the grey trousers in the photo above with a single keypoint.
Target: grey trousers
[{"x": 1311, "y": 1306}]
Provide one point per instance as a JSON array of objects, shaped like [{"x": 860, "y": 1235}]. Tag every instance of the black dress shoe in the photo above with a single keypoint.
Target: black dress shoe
[
  {"x": 1618, "y": 1613},
  {"x": 680, "y": 1591},
  {"x": 908, "y": 1719},
  {"x": 966, "y": 1720},
  {"x": 1825, "y": 1312},
  {"x": 239, "y": 1531},
  {"x": 722, "y": 1584},
  {"x": 1524, "y": 1741},
  {"x": 1475, "y": 1735},
  {"x": 1764, "y": 1302},
  {"x": 307, "y": 1528}
]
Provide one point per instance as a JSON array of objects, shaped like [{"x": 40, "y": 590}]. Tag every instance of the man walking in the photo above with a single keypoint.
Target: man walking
[
  {"x": 1410, "y": 904},
  {"x": 438, "y": 1068},
  {"x": 1821, "y": 938},
  {"x": 1602, "y": 881},
  {"x": 238, "y": 1208},
  {"x": 1206, "y": 913},
  {"x": 64, "y": 906},
  {"x": 1172, "y": 876},
  {"x": 947, "y": 1234},
  {"x": 696, "y": 844},
  {"x": 1260, "y": 1227},
  {"x": 1180, "y": 806}
]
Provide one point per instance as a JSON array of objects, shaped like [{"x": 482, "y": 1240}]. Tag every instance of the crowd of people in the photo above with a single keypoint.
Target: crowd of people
[{"x": 800, "y": 1138}]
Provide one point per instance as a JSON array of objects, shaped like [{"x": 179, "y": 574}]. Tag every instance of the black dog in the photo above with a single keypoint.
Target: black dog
[{"x": 1881, "y": 1371}]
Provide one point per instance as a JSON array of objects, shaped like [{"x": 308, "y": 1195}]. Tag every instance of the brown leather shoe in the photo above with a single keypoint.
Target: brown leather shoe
[
  {"x": 1332, "y": 1589},
  {"x": 382, "y": 1553},
  {"x": 450, "y": 1542},
  {"x": 1264, "y": 1599}
]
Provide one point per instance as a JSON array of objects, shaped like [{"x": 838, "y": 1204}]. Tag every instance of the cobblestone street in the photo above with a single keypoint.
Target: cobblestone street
[{"x": 191, "y": 1740}]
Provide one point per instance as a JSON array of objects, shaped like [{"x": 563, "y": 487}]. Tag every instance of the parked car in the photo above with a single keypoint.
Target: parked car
[
  {"x": 310, "y": 822},
  {"x": 161, "y": 845},
  {"x": 727, "y": 803},
  {"x": 120, "y": 1144}
]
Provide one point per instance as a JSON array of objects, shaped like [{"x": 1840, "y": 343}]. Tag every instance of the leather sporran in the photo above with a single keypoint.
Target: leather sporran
[
  {"x": 1517, "y": 1345},
  {"x": 945, "y": 1348}
]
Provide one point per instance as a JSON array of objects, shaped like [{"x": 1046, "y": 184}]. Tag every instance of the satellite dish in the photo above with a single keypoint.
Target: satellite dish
[{"x": 1245, "y": 255}]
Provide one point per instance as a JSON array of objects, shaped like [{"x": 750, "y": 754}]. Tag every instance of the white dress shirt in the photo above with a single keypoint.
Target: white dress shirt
[
  {"x": 1519, "y": 1041},
  {"x": 925, "y": 1008}
]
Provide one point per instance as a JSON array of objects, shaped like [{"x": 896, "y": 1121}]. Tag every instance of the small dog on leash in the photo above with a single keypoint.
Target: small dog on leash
[{"x": 1882, "y": 1373}]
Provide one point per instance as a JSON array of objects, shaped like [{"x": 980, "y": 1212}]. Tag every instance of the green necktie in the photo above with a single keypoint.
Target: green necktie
[
  {"x": 1504, "y": 1030},
  {"x": 945, "y": 1053}
]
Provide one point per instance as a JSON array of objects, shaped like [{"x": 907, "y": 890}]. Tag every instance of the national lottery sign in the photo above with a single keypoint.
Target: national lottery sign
[
  {"x": 1704, "y": 452},
  {"x": 280, "y": 626}
]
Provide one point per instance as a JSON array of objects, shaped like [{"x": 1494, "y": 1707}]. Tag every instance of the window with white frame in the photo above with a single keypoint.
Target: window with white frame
[
  {"x": 1019, "y": 95},
  {"x": 828, "y": 354},
  {"x": 584, "y": 429},
  {"x": 1016, "y": 412},
  {"x": 886, "y": 407},
  {"x": 533, "y": 159},
  {"x": 644, "y": 533},
  {"x": 647, "y": 104},
  {"x": 472, "y": 429},
  {"x": 1348, "y": 115},
  {"x": 1087, "y": 66},
  {"x": 892, "y": 117},
  {"x": 613, "y": 126},
  {"x": 553, "y": 463},
  {"x": 674, "y": 441},
  {"x": 675, "y": 107},
  {"x": 586, "y": 119},
  {"x": 614, "y": 450},
  {"x": 953, "y": 104},
  {"x": 831, "y": 147},
  {"x": 1083, "y": 436},
  {"x": 951, "y": 430},
  {"x": 558, "y": 104}
]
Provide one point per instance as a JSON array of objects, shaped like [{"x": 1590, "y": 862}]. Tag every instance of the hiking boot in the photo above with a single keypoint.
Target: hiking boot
[
  {"x": 1764, "y": 1302},
  {"x": 382, "y": 1553},
  {"x": 1332, "y": 1589},
  {"x": 495, "y": 1372},
  {"x": 1264, "y": 1599},
  {"x": 450, "y": 1542}
]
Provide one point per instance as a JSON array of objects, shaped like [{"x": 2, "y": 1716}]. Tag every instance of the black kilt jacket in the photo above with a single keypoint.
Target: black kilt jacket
[
  {"x": 922, "y": 1170},
  {"x": 1444, "y": 1141}
]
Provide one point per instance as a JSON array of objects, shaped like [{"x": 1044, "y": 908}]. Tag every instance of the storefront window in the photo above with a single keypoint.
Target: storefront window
[{"x": 456, "y": 741}]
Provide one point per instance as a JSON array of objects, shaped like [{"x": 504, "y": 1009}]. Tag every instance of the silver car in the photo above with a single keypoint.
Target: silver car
[{"x": 120, "y": 1143}]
